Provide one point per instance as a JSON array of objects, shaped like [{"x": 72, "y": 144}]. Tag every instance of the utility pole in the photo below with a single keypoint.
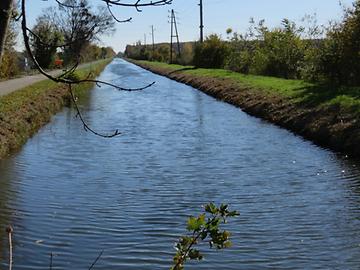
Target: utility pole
[
  {"x": 153, "y": 39},
  {"x": 201, "y": 22},
  {"x": 172, "y": 35}
]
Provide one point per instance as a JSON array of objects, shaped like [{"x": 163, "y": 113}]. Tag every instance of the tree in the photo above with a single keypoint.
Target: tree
[
  {"x": 44, "y": 40},
  {"x": 79, "y": 25},
  {"x": 9, "y": 64},
  {"x": 6, "y": 8},
  {"x": 340, "y": 57},
  {"x": 279, "y": 51}
]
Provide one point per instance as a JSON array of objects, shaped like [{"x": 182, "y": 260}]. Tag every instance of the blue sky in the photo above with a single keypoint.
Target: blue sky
[{"x": 218, "y": 16}]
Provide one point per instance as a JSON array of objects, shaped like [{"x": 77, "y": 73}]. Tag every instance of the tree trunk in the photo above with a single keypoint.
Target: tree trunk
[{"x": 5, "y": 14}]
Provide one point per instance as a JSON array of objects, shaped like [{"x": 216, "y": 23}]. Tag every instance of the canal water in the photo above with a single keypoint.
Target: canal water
[{"x": 74, "y": 194}]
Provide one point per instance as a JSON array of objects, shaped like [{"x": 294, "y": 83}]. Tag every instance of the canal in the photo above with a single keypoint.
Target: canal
[{"x": 74, "y": 194}]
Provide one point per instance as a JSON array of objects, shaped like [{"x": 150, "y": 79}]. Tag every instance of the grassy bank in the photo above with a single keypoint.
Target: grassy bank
[
  {"x": 325, "y": 114},
  {"x": 300, "y": 92},
  {"x": 24, "y": 111}
]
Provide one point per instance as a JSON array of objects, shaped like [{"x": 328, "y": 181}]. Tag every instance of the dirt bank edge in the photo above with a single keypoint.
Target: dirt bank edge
[
  {"x": 38, "y": 103},
  {"x": 327, "y": 126}
]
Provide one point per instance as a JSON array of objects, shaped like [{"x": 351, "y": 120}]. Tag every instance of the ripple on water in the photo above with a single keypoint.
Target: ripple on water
[{"x": 73, "y": 194}]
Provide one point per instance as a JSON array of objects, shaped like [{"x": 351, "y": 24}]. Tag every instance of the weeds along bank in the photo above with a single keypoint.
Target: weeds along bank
[
  {"x": 329, "y": 117},
  {"x": 25, "y": 111}
]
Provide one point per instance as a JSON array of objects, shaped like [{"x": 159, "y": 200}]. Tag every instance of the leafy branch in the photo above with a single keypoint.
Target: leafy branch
[{"x": 205, "y": 227}]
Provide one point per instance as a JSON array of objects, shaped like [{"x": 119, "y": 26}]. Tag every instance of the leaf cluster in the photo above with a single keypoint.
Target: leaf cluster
[{"x": 204, "y": 228}]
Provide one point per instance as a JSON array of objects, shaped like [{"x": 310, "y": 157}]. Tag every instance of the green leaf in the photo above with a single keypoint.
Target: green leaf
[
  {"x": 211, "y": 208},
  {"x": 195, "y": 224},
  {"x": 194, "y": 254}
]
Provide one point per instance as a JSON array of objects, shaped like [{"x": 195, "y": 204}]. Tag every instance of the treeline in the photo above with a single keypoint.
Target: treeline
[
  {"x": 310, "y": 52},
  {"x": 59, "y": 38},
  {"x": 161, "y": 52}
]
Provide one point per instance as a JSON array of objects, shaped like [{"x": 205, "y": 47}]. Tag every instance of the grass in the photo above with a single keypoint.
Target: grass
[
  {"x": 24, "y": 111},
  {"x": 17, "y": 99},
  {"x": 300, "y": 92}
]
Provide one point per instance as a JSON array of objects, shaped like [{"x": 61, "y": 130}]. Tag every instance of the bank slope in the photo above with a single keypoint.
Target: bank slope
[
  {"x": 328, "y": 116},
  {"x": 25, "y": 111}
]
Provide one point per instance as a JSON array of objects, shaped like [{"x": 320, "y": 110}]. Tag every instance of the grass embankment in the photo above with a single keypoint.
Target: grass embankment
[
  {"x": 26, "y": 110},
  {"x": 327, "y": 115}
]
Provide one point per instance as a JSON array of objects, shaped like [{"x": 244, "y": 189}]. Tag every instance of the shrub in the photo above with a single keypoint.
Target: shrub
[
  {"x": 280, "y": 51},
  {"x": 241, "y": 53},
  {"x": 211, "y": 53},
  {"x": 340, "y": 57},
  {"x": 187, "y": 54},
  {"x": 310, "y": 68},
  {"x": 9, "y": 64}
]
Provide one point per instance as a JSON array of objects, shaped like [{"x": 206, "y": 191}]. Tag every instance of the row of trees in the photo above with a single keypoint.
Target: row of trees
[
  {"x": 311, "y": 53},
  {"x": 161, "y": 52}
]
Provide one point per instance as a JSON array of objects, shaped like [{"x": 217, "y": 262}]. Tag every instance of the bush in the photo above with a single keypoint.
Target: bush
[
  {"x": 187, "y": 54},
  {"x": 211, "y": 54},
  {"x": 340, "y": 57},
  {"x": 241, "y": 53},
  {"x": 310, "y": 68},
  {"x": 9, "y": 64},
  {"x": 280, "y": 52}
]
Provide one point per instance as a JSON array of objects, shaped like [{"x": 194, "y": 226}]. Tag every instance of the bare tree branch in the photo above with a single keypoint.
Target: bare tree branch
[
  {"x": 85, "y": 125},
  {"x": 51, "y": 261},
  {"x": 88, "y": 34},
  {"x": 138, "y": 4},
  {"x": 114, "y": 17},
  {"x": 9, "y": 231},
  {"x": 96, "y": 260}
]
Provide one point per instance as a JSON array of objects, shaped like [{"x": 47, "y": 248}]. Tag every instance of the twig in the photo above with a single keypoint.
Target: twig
[
  {"x": 51, "y": 261},
  {"x": 96, "y": 260},
  {"x": 193, "y": 242},
  {"x": 85, "y": 125},
  {"x": 9, "y": 231}
]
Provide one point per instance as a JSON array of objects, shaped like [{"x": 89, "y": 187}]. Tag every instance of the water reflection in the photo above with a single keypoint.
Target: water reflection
[{"x": 75, "y": 194}]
